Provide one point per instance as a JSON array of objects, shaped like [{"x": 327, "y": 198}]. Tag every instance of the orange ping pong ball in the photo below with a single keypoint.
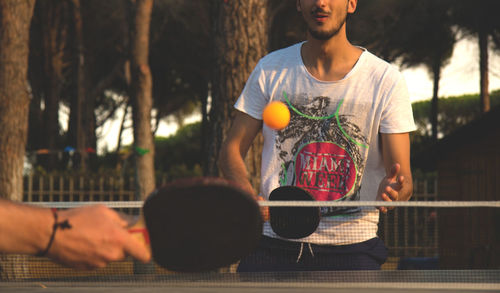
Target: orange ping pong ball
[{"x": 276, "y": 115}]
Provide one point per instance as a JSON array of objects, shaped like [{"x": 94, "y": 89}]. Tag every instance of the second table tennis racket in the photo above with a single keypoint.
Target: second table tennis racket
[
  {"x": 293, "y": 222},
  {"x": 200, "y": 224}
]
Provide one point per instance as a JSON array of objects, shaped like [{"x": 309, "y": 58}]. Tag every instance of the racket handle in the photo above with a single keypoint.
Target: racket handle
[{"x": 139, "y": 231}]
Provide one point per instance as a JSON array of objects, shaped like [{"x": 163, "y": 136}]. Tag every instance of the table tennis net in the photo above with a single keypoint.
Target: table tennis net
[{"x": 458, "y": 241}]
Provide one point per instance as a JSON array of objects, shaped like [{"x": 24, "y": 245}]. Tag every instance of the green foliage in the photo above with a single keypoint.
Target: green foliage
[
  {"x": 453, "y": 112},
  {"x": 176, "y": 156},
  {"x": 180, "y": 155}
]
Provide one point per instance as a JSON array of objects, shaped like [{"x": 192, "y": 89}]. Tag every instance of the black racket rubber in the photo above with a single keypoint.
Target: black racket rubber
[
  {"x": 293, "y": 222},
  {"x": 201, "y": 224}
]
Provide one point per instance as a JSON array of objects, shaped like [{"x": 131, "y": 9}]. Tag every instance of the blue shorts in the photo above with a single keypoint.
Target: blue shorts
[{"x": 274, "y": 255}]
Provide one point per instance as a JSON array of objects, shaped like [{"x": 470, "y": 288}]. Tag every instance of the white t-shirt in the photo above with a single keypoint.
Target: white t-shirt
[{"x": 331, "y": 147}]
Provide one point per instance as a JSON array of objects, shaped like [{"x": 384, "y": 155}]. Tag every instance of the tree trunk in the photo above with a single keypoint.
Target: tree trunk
[
  {"x": 54, "y": 34},
  {"x": 434, "y": 101},
  {"x": 141, "y": 97},
  {"x": 79, "y": 137},
  {"x": 15, "y": 18},
  {"x": 483, "y": 71},
  {"x": 240, "y": 40}
]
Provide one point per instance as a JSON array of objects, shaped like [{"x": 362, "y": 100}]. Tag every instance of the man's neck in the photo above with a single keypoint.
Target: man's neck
[{"x": 329, "y": 60}]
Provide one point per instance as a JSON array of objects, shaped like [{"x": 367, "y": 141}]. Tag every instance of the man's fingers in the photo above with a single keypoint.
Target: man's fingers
[
  {"x": 264, "y": 211},
  {"x": 382, "y": 209},
  {"x": 388, "y": 196},
  {"x": 394, "y": 171},
  {"x": 131, "y": 245},
  {"x": 391, "y": 194},
  {"x": 401, "y": 179},
  {"x": 135, "y": 248},
  {"x": 127, "y": 221},
  {"x": 390, "y": 186}
]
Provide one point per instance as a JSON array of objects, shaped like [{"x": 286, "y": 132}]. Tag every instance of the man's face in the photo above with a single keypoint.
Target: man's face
[{"x": 325, "y": 18}]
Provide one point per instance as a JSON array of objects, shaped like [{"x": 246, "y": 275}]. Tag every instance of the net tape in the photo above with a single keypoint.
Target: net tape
[{"x": 430, "y": 204}]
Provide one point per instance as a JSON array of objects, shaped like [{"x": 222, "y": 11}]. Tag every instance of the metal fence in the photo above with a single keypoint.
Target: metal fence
[
  {"x": 64, "y": 188},
  {"x": 78, "y": 188},
  {"x": 412, "y": 232}
]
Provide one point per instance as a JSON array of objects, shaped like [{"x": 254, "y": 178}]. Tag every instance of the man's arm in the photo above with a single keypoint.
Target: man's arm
[
  {"x": 23, "y": 229},
  {"x": 96, "y": 235},
  {"x": 235, "y": 147},
  {"x": 397, "y": 185}
]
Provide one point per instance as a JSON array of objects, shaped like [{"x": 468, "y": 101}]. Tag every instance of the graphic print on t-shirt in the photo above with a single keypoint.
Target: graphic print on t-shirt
[
  {"x": 325, "y": 157},
  {"x": 326, "y": 170}
]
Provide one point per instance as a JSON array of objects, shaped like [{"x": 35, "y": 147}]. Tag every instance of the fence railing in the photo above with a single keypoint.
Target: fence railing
[{"x": 80, "y": 188}]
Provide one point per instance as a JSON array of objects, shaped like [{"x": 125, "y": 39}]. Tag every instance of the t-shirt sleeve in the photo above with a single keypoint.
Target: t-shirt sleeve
[
  {"x": 397, "y": 115},
  {"x": 253, "y": 98}
]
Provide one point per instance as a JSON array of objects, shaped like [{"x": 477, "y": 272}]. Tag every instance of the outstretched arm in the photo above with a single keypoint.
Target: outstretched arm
[
  {"x": 398, "y": 183},
  {"x": 92, "y": 237}
]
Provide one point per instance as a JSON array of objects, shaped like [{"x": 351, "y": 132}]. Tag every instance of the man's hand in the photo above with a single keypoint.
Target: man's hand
[
  {"x": 264, "y": 211},
  {"x": 390, "y": 186},
  {"x": 398, "y": 183},
  {"x": 98, "y": 235}
]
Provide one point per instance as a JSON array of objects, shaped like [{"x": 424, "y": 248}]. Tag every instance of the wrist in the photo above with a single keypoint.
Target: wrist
[
  {"x": 43, "y": 220},
  {"x": 45, "y": 245},
  {"x": 57, "y": 225}
]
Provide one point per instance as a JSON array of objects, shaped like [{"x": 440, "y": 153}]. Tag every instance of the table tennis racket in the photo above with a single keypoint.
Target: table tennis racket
[
  {"x": 200, "y": 224},
  {"x": 293, "y": 222}
]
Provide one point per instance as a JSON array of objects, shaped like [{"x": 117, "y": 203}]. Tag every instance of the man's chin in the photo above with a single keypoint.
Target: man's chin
[{"x": 323, "y": 35}]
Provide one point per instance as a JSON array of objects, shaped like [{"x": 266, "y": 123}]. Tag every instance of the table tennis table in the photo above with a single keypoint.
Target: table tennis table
[
  {"x": 394, "y": 278},
  {"x": 414, "y": 281}
]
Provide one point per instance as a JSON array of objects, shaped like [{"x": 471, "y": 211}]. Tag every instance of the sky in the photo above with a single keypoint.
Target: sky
[{"x": 460, "y": 76}]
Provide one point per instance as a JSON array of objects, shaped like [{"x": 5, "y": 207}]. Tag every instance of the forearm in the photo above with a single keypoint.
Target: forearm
[
  {"x": 232, "y": 166},
  {"x": 24, "y": 229},
  {"x": 235, "y": 147}
]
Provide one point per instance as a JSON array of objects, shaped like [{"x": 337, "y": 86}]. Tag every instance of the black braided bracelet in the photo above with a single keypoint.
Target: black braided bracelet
[{"x": 63, "y": 225}]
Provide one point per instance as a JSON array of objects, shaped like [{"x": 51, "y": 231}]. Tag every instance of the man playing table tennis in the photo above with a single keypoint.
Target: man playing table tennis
[
  {"x": 86, "y": 238},
  {"x": 347, "y": 141}
]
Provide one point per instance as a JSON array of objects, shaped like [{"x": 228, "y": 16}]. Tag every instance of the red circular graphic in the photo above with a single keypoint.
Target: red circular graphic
[{"x": 326, "y": 170}]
